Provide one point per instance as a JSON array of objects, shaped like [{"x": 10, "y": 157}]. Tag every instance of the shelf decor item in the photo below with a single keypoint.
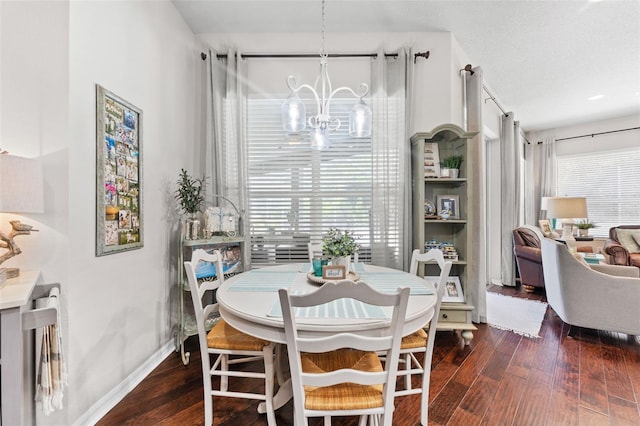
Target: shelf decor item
[
  {"x": 448, "y": 206},
  {"x": 190, "y": 196},
  {"x": 450, "y": 166},
  {"x": 119, "y": 189}
]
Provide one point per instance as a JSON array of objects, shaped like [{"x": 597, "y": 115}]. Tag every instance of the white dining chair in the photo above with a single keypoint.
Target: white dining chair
[
  {"x": 421, "y": 341},
  {"x": 227, "y": 345},
  {"x": 342, "y": 375}
]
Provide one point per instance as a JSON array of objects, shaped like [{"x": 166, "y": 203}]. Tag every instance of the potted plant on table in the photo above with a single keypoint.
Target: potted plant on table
[
  {"x": 584, "y": 226},
  {"x": 190, "y": 196},
  {"x": 339, "y": 246},
  {"x": 450, "y": 166}
]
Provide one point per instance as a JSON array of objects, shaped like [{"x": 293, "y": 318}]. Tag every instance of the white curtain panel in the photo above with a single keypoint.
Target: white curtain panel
[
  {"x": 391, "y": 161},
  {"x": 477, "y": 270},
  {"x": 225, "y": 158},
  {"x": 510, "y": 193},
  {"x": 540, "y": 177},
  {"x": 546, "y": 156}
]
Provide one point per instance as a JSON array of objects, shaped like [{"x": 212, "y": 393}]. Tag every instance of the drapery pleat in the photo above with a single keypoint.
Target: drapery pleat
[
  {"x": 510, "y": 193},
  {"x": 225, "y": 157},
  {"x": 391, "y": 161},
  {"x": 477, "y": 270}
]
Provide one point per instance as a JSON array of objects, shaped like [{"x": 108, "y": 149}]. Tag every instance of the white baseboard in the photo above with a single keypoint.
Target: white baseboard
[{"x": 111, "y": 399}]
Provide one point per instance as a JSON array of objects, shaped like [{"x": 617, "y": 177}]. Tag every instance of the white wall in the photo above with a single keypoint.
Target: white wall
[{"x": 118, "y": 308}]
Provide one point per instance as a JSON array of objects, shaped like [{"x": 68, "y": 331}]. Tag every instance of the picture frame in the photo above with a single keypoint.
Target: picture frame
[
  {"x": 545, "y": 226},
  {"x": 119, "y": 186},
  {"x": 334, "y": 272},
  {"x": 453, "y": 291},
  {"x": 449, "y": 202}
]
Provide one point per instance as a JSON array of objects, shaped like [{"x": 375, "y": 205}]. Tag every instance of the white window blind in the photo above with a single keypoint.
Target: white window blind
[
  {"x": 610, "y": 180},
  {"x": 296, "y": 194}
]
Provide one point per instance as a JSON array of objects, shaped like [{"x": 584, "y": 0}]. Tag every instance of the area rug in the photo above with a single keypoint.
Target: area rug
[{"x": 521, "y": 316}]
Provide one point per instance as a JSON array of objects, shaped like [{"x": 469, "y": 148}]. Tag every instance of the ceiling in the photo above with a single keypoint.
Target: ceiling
[{"x": 543, "y": 60}]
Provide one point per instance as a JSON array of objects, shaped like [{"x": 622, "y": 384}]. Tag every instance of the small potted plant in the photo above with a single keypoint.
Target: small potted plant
[
  {"x": 339, "y": 246},
  {"x": 450, "y": 166},
  {"x": 584, "y": 226},
  {"x": 190, "y": 196}
]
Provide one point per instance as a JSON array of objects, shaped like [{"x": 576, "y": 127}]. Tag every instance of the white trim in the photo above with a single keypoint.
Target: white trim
[{"x": 117, "y": 394}]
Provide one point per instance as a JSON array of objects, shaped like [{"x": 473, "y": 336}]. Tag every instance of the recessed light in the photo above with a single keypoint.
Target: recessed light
[{"x": 595, "y": 97}]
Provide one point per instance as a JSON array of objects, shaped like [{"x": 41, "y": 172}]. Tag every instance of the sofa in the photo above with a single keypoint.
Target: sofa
[
  {"x": 526, "y": 248},
  {"x": 603, "y": 297},
  {"x": 623, "y": 245}
]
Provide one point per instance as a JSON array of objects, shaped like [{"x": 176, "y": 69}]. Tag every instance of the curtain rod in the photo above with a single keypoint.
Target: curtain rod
[
  {"x": 424, "y": 55},
  {"x": 493, "y": 98},
  {"x": 597, "y": 134}
]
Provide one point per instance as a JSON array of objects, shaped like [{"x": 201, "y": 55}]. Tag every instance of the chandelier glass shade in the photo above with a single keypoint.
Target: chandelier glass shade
[{"x": 294, "y": 117}]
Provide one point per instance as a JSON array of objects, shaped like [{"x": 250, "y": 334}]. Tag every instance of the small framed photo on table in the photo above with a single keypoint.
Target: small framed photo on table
[
  {"x": 545, "y": 225},
  {"x": 334, "y": 272},
  {"x": 450, "y": 203}
]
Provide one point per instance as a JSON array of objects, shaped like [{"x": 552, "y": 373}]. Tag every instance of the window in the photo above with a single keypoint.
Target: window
[
  {"x": 609, "y": 181},
  {"x": 296, "y": 194}
]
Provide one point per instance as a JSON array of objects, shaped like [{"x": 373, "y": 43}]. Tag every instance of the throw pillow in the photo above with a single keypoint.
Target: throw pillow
[
  {"x": 636, "y": 237},
  {"x": 627, "y": 239}
]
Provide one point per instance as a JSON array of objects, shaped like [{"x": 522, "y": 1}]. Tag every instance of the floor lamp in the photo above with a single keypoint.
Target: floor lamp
[
  {"x": 21, "y": 191},
  {"x": 567, "y": 209}
]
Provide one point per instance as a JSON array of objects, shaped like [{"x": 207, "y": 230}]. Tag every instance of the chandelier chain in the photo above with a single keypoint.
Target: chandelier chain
[{"x": 323, "y": 52}]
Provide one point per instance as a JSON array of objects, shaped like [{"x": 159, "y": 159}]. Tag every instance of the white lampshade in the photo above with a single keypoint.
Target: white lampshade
[
  {"x": 21, "y": 185},
  {"x": 360, "y": 120},
  {"x": 544, "y": 203},
  {"x": 320, "y": 139},
  {"x": 567, "y": 207},
  {"x": 294, "y": 114}
]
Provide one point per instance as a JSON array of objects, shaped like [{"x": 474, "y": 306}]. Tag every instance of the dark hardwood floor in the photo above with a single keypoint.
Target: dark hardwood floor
[{"x": 501, "y": 378}]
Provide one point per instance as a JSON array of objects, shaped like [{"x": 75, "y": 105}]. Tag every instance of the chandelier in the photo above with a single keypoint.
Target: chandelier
[{"x": 294, "y": 116}]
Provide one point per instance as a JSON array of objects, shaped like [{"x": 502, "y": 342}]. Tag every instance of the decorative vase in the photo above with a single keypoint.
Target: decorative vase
[
  {"x": 343, "y": 260},
  {"x": 449, "y": 173},
  {"x": 584, "y": 233},
  {"x": 192, "y": 227}
]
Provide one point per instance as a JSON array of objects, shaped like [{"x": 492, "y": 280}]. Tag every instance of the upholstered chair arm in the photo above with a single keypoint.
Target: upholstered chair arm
[
  {"x": 532, "y": 254},
  {"x": 617, "y": 270},
  {"x": 619, "y": 254}
]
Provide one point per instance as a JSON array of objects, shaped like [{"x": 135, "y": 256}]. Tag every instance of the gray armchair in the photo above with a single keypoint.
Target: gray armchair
[{"x": 584, "y": 297}]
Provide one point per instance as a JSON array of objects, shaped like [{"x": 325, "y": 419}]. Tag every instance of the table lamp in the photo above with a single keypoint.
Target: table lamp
[
  {"x": 21, "y": 191},
  {"x": 567, "y": 209}
]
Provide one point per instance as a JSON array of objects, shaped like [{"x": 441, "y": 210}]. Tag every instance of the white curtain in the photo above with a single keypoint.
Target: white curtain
[
  {"x": 510, "y": 147},
  {"x": 540, "y": 178},
  {"x": 225, "y": 152},
  {"x": 477, "y": 270},
  {"x": 391, "y": 154}
]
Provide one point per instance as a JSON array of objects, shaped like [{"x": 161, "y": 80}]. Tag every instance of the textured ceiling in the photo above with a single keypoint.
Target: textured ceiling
[{"x": 542, "y": 59}]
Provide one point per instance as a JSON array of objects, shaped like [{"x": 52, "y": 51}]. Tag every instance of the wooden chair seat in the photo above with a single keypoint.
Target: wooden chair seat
[
  {"x": 417, "y": 339},
  {"x": 223, "y": 336}
]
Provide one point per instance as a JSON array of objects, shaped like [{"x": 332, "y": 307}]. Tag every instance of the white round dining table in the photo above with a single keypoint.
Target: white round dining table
[{"x": 249, "y": 302}]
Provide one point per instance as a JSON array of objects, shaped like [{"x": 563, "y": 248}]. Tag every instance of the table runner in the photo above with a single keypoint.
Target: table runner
[
  {"x": 263, "y": 281},
  {"x": 338, "y": 309},
  {"x": 388, "y": 282}
]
